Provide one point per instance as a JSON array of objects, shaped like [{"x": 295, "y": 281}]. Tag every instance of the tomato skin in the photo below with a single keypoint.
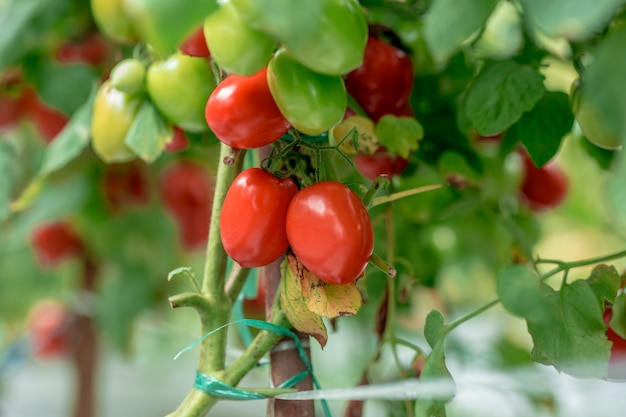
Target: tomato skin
[
  {"x": 48, "y": 327},
  {"x": 312, "y": 102},
  {"x": 179, "y": 141},
  {"x": 113, "y": 116},
  {"x": 237, "y": 47},
  {"x": 180, "y": 87},
  {"x": 330, "y": 231},
  {"x": 242, "y": 113},
  {"x": 92, "y": 50},
  {"x": 252, "y": 223},
  {"x": 381, "y": 163},
  {"x": 383, "y": 83},
  {"x": 129, "y": 76},
  {"x": 592, "y": 123},
  {"x": 195, "y": 44},
  {"x": 55, "y": 242},
  {"x": 111, "y": 18},
  {"x": 126, "y": 184},
  {"x": 186, "y": 189},
  {"x": 542, "y": 188}
]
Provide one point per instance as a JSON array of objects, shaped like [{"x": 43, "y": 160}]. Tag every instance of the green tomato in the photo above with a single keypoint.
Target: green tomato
[
  {"x": 338, "y": 44},
  {"x": 113, "y": 115},
  {"x": 312, "y": 102},
  {"x": 596, "y": 130},
  {"x": 112, "y": 20},
  {"x": 180, "y": 87},
  {"x": 129, "y": 76},
  {"x": 234, "y": 45},
  {"x": 165, "y": 24}
]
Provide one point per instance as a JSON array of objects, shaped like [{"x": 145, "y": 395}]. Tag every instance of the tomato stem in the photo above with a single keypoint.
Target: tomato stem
[
  {"x": 377, "y": 201},
  {"x": 383, "y": 265}
]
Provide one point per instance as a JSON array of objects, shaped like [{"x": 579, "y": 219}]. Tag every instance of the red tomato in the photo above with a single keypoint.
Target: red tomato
[
  {"x": 242, "y": 113},
  {"x": 92, "y": 50},
  {"x": 48, "y": 326},
  {"x": 371, "y": 166},
  {"x": 330, "y": 232},
  {"x": 252, "y": 223},
  {"x": 195, "y": 44},
  {"x": 186, "y": 189},
  {"x": 179, "y": 141},
  {"x": 543, "y": 188},
  {"x": 55, "y": 242},
  {"x": 254, "y": 308},
  {"x": 383, "y": 83},
  {"x": 618, "y": 349},
  {"x": 48, "y": 121},
  {"x": 126, "y": 183}
]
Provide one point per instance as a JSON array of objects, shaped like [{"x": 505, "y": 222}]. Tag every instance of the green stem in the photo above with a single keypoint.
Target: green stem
[
  {"x": 377, "y": 201},
  {"x": 236, "y": 282}
]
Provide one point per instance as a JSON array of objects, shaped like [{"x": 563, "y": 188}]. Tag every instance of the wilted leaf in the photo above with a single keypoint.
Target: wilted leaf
[
  {"x": 295, "y": 306},
  {"x": 400, "y": 135},
  {"x": 328, "y": 300}
]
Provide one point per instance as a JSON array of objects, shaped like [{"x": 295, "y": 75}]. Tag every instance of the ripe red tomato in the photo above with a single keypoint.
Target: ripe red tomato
[
  {"x": 186, "y": 189},
  {"x": 48, "y": 121},
  {"x": 383, "y": 83},
  {"x": 542, "y": 188},
  {"x": 55, "y": 242},
  {"x": 195, "y": 44},
  {"x": 371, "y": 166},
  {"x": 252, "y": 223},
  {"x": 179, "y": 141},
  {"x": 91, "y": 50},
  {"x": 330, "y": 232},
  {"x": 48, "y": 326},
  {"x": 242, "y": 113},
  {"x": 125, "y": 184}
]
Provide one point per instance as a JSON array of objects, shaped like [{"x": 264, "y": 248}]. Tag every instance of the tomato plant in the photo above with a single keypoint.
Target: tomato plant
[
  {"x": 129, "y": 76},
  {"x": 252, "y": 224},
  {"x": 330, "y": 232},
  {"x": 371, "y": 166},
  {"x": 179, "y": 141},
  {"x": 242, "y": 113},
  {"x": 126, "y": 184},
  {"x": 48, "y": 325},
  {"x": 195, "y": 44},
  {"x": 543, "y": 188},
  {"x": 92, "y": 50},
  {"x": 383, "y": 83},
  {"x": 112, "y": 20}
]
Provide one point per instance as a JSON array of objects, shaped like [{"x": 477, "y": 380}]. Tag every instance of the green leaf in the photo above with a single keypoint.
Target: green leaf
[
  {"x": 53, "y": 81},
  {"x": 10, "y": 164},
  {"x": 400, "y": 135},
  {"x": 500, "y": 94},
  {"x": 149, "y": 133},
  {"x": 616, "y": 192},
  {"x": 542, "y": 129},
  {"x": 295, "y": 305},
  {"x": 450, "y": 22},
  {"x": 24, "y": 24},
  {"x": 603, "y": 157},
  {"x": 572, "y": 19},
  {"x": 435, "y": 365},
  {"x": 604, "y": 282},
  {"x": 566, "y": 326},
  {"x": 180, "y": 270}
]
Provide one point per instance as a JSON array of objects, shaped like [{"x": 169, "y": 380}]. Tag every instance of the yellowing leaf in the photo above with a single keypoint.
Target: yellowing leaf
[
  {"x": 357, "y": 134},
  {"x": 330, "y": 300},
  {"x": 294, "y": 305}
]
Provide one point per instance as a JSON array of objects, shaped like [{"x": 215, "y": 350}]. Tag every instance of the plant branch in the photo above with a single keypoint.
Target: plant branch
[{"x": 377, "y": 201}]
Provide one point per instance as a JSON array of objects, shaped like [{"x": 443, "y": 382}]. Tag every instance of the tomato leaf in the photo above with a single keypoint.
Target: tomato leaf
[
  {"x": 449, "y": 22},
  {"x": 328, "y": 300},
  {"x": 149, "y": 133},
  {"x": 435, "y": 365},
  {"x": 294, "y": 304},
  {"x": 500, "y": 94},
  {"x": 603, "y": 157},
  {"x": 616, "y": 192},
  {"x": 9, "y": 153},
  {"x": 618, "y": 318},
  {"x": 566, "y": 326},
  {"x": 572, "y": 19},
  {"x": 400, "y": 135},
  {"x": 604, "y": 281},
  {"x": 542, "y": 128}
]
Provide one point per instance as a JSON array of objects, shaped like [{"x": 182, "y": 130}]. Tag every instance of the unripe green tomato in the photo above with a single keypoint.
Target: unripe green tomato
[
  {"x": 234, "y": 45},
  {"x": 113, "y": 115},
  {"x": 597, "y": 131},
  {"x": 338, "y": 44},
  {"x": 112, "y": 20},
  {"x": 129, "y": 76},
  {"x": 180, "y": 87},
  {"x": 312, "y": 102}
]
